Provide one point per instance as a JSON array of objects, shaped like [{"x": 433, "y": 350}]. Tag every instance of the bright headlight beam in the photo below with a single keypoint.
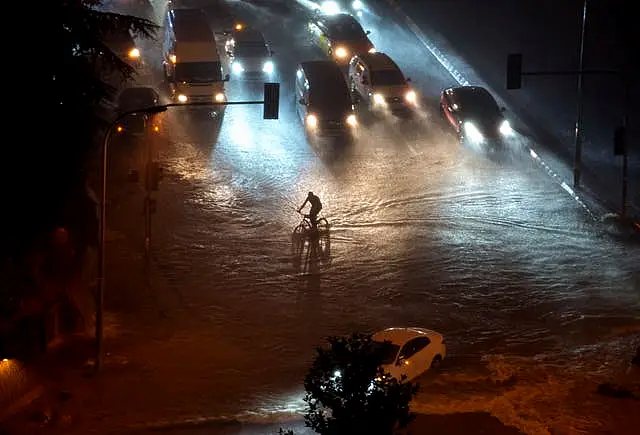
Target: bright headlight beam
[
  {"x": 341, "y": 52},
  {"x": 357, "y": 4},
  {"x": 505, "y": 129},
  {"x": 352, "y": 120},
  {"x": 182, "y": 98},
  {"x": 378, "y": 99},
  {"x": 472, "y": 132},
  {"x": 312, "y": 120},
  {"x": 267, "y": 67},
  {"x": 411, "y": 97},
  {"x": 330, "y": 8},
  {"x": 237, "y": 67}
]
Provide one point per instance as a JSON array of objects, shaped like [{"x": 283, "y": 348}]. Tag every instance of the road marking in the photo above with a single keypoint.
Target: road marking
[{"x": 462, "y": 80}]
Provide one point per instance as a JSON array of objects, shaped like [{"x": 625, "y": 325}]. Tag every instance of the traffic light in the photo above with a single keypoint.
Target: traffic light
[
  {"x": 154, "y": 175},
  {"x": 620, "y": 141},
  {"x": 514, "y": 71},
  {"x": 271, "y": 100}
]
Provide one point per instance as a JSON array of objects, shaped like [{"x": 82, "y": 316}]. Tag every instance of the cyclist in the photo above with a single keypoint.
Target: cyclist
[{"x": 316, "y": 206}]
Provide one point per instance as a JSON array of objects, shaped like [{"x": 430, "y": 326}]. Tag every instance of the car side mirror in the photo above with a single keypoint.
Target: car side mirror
[
  {"x": 301, "y": 101},
  {"x": 368, "y": 32},
  {"x": 227, "y": 77}
]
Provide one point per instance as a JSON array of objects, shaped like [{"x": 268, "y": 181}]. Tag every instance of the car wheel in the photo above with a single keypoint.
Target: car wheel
[{"x": 435, "y": 363}]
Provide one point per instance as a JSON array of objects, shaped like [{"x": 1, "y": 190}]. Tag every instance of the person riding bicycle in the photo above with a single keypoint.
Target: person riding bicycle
[{"x": 316, "y": 206}]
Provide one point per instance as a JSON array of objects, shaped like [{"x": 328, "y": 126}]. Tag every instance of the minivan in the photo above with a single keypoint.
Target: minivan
[
  {"x": 323, "y": 100},
  {"x": 378, "y": 84}
]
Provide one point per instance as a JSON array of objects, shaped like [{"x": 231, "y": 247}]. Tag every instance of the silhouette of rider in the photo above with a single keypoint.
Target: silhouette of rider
[{"x": 316, "y": 206}]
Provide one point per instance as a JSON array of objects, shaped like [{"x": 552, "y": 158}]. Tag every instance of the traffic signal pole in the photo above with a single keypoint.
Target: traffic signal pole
[
  {"x": 578, "y": 134},
  {"x": 271, "y": 104}
]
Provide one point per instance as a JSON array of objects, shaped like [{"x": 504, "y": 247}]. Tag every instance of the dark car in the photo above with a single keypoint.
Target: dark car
[
  {"x": 474, "y": 114},
  {"x": 132, "y": 99},
  {"x": 323, "y": 100},
  {"x": 249, "y": 53},
  {"x": 340, "y": 36}
]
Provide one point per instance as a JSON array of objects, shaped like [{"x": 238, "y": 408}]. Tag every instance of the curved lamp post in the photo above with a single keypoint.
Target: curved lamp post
[{"x": 103, "y": 215}]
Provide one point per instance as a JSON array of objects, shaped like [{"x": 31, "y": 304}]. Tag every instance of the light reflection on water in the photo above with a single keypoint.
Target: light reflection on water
[{"x": 521, "y": 282}]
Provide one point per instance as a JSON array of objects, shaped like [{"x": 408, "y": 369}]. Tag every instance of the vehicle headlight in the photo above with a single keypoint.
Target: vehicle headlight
[
  {"x": 341, "y": 52},
  {"x": 312, "y": 121},
  {"x": 182, "y": 98},
  {"x": 330, "y": 7},
  {"x": 173, "y": 58},
  {"x": 237, "y": 67},
  {"x": 134, "y": 53},
  {"x": 372, "y": 50},
  {"x": 352, "y": 120},
  {"x": 357, "y": 4},
  {"x": 378, "y": 99},
  {"x": 119, "y": 129},
  {"x": 268, "y": 67},
  {"x": 505, "y": 129},
  {"x": 219, "y": 97},
  {"x": 411, "y": 97},
  {"x": 472, "y": 131}
]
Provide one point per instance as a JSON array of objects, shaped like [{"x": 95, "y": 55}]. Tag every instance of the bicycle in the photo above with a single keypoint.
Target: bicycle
[{"x": 305, "y": 227}]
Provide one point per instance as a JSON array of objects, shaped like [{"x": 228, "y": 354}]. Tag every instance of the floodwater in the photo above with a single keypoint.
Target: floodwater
[{"x": 537, "y": 299}]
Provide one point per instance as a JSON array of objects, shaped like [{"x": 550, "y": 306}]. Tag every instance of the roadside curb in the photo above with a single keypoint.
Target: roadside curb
[{"x": 463, "y": 80}]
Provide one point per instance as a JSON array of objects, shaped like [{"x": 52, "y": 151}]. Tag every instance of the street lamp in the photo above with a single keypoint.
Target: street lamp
[
  {"x": 271, "y": 104},
  {"x": 103, "y": 216}
]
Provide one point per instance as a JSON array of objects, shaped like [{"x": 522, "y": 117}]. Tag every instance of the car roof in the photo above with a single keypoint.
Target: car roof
[
  {"x": 137, "y": 95},
  {"x": 399, "y": 336},
  {"x": 378, "y": 61},
  {"x": 248, "y": 35},
  {"x": 468, "y": 92},
  {"x": 322, "y": 71},
  {"x": 340, "y": 19}
]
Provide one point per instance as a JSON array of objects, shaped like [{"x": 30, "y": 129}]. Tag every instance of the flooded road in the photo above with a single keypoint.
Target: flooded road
[{"x": 522, "y": 280}]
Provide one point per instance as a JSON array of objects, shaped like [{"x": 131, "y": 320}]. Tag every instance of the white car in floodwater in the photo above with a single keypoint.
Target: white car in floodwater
[{"x": 412, "y": 352}]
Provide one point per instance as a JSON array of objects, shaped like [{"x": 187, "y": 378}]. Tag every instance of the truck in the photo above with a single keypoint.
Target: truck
[{"x": 191, "y": 61}]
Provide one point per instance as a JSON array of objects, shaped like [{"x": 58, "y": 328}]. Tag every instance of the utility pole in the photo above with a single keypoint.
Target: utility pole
[
  {"x": 577, "y": 157},
  {"x": 625, "y": 151}
]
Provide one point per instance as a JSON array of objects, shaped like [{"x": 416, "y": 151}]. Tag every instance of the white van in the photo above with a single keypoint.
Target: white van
[
  {"x": 191, "y": 61},
  {"x": 378, "y": 83}
]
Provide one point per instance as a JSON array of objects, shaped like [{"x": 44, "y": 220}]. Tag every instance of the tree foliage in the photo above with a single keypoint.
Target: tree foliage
[
  {"x": 347, "y": 392},
  {"x": 62, "y": 85}
]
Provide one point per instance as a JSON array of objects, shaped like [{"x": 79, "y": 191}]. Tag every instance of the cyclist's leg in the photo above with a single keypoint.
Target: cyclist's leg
[{"x": 313, "y": 217}]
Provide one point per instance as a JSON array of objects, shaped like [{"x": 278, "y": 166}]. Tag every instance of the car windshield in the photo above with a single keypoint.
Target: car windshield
[
  {"x": 478, "y": 103},
  {"x": 134, "y": 98},
  {"x": 346, "y": 31},
  {"x": 387, "y": 351},
  {"x": 387, "y": 77},
  {"x": 330, "y": 102},
  {"x": 251, "y": 49},
  {"x": 198, "y": 72}
]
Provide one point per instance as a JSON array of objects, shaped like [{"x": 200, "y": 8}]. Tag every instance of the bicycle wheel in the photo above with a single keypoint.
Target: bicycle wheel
[
  {"x": 302, "y": 228},
  {"x": 323, "y": 224}
]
